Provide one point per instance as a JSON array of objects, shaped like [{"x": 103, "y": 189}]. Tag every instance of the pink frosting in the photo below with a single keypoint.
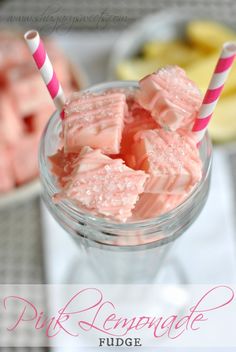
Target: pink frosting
[{"x": 172, "y": 98}]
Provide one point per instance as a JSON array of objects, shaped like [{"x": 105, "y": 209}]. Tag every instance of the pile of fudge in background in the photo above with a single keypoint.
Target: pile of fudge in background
[{"x": 25, "y": 107}]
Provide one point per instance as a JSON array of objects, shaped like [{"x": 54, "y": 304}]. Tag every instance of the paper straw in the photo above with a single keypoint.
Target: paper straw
[
  {"x": 213, "y": 92},
  {"x": 44, "y": 65}
]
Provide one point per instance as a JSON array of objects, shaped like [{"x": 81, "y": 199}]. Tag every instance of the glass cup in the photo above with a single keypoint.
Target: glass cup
[{"x": 114, "y": 252}]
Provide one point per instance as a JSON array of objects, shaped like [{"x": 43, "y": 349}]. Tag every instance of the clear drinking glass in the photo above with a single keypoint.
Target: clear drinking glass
[{"x": 120, "y": 252}]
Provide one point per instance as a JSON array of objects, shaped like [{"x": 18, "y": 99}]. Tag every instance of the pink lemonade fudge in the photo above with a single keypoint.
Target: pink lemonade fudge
[
  {"x": 11, "y": 127},
  {"x": 7, "y": 180},
  {"x": 27, "y": 89},
  {"x": 171, "y": 97},
  {"x": 121, "y": 158},
  {"x": 96, "y": 120},
  {"x": 104, "y": 185},
  {"x": 137, "y": 119},
  {"x": 25, "y": 106},
  {"x": 40, "y": 118},
  {"x": 25, "y": 160},
  {"x": 170, "y": 158}
]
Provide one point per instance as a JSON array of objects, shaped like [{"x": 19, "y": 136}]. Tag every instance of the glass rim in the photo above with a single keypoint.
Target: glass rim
[{"x": 80, "y": 214}]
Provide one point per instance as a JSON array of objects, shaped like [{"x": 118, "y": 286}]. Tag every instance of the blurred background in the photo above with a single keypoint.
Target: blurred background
[{"x": 90, "y": 42}]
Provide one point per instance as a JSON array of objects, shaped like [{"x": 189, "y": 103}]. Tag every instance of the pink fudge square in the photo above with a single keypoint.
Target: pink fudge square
[
  {"x": 105, "y": 186},
  {"x": 7, "y": 181},
  {"x": 25, "y": 159},
  {"x": 151, "y": 205},
  {"x": 11, "y": 125},
  {"x": 172, "y": 98},
  {"x": 41, "y": 117},
  {"x": 137, "y": 119},
  {"x": 95, "y": 121},
  {"x": 27, "y": 89},
  {"x": 170, "y": 158}
]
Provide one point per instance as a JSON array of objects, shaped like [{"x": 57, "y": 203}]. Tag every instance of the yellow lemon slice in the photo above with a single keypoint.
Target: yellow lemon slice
[
  {"x": 135, "y": 69},
  {"x": 201, "y": 72},
  {"x": 208, "y": 35},
  {"x": 171, "y": 52},
  {"x": 222, "y": 127}
]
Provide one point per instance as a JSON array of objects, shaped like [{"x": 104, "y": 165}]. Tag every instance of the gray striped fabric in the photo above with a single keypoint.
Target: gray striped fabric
[
  {"x": 21, "y": 262},
  {"x": 98, "y": 14}
]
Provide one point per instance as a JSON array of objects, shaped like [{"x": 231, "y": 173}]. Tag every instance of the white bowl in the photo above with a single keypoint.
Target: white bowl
[{"x": 164, "y": 25}]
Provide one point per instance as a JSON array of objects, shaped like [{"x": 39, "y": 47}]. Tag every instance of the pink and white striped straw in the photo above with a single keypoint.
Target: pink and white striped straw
[
  {"x": 213, "y": 92},
  {"x": 45, "y": 67}
]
